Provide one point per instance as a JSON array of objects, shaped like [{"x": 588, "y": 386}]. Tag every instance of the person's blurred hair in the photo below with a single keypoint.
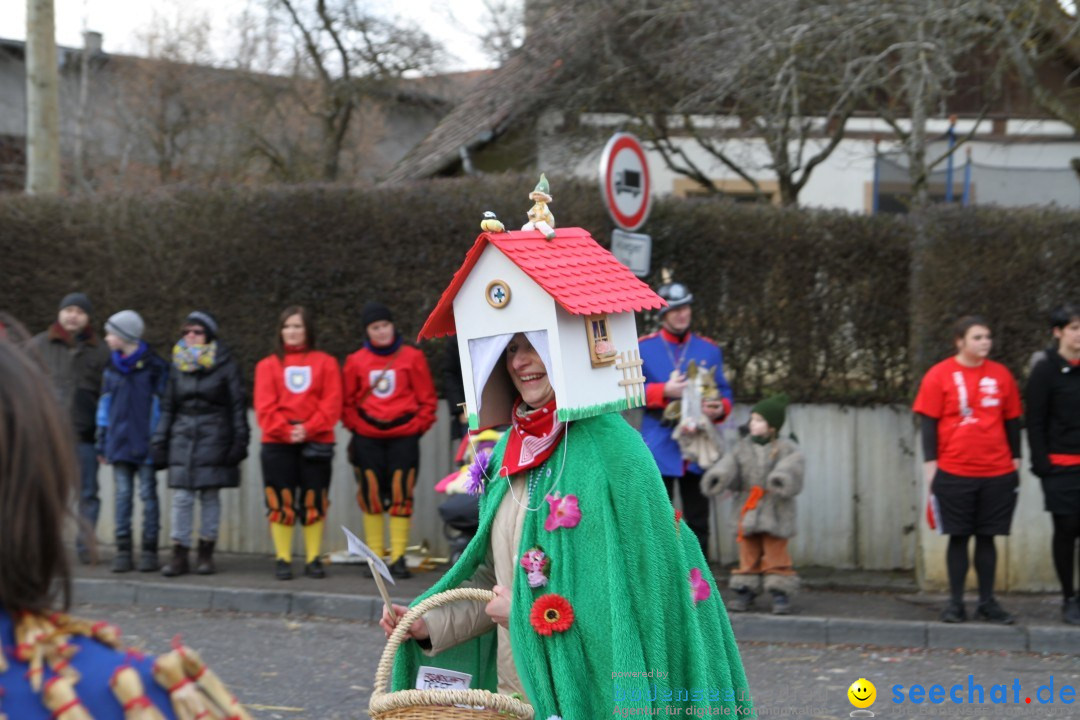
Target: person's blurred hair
[
  {"x": 1064, "y": 314},
  {"x": 37, "y": 480}
]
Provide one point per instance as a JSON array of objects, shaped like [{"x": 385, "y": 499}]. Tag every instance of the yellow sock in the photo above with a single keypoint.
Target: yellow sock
[
  {"x": 373, "y": 533},
  {"x": 313, "y": 540},
  {"x": 282, "y": 535},
  {"x": 399, "y": 536}
]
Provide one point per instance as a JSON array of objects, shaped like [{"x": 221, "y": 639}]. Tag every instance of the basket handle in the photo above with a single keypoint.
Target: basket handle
[{"x": 386, "y": 662}]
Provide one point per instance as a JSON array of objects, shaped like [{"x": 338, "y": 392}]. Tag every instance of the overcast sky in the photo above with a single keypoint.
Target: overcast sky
[{"x": 451, "y": 21}]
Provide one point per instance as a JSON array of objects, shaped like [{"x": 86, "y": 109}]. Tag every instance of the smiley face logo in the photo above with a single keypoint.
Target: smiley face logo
[{"x": 862, "y": 693}]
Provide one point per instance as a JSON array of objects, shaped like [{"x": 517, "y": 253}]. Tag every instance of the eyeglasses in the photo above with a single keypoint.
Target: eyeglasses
[{"x": 194, "y": 331}]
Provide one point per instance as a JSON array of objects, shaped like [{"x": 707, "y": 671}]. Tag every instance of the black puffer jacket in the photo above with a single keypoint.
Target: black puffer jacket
[{"x": 203, "y": 433}]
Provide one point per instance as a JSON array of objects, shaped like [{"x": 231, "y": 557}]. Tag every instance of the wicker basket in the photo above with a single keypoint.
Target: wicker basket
[{"x": 438, "y": 704}]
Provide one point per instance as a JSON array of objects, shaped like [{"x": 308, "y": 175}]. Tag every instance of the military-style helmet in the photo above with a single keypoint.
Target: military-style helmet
[{"x": 676, "y": 295}]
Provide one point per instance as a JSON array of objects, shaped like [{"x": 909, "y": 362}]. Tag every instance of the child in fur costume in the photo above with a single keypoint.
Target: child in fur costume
[{"x": 765, "y": 472}]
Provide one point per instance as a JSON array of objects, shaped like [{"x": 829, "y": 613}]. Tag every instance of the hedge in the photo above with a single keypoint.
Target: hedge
[{"x": 812, "y": 302}]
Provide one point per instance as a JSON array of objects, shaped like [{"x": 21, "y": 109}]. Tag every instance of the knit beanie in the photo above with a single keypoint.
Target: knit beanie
[
  {"x": 79, "y": 300},
  {"x": 773, "y": 409},
  {"x": 205, "y": 320},
  {"x": 374, "y": 312},
  {"x": 127, "y": 324}
]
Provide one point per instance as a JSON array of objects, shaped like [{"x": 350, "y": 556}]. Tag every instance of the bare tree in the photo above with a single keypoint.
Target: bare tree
[
  {"x": 700, "y": 79},
  {"x": 348, "y": 53}
]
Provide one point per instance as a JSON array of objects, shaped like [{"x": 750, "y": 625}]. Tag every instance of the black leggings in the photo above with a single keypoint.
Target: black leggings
[
  {"x": 956, "y": 561},
  {"x": 1063, "y": 547}
]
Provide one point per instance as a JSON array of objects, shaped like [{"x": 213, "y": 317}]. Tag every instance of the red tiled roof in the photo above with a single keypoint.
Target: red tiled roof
[{"x": 582, "y": 277}]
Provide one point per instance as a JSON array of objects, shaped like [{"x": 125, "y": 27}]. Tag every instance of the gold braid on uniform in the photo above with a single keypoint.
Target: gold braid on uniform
[{"x": 195, "y": 691}]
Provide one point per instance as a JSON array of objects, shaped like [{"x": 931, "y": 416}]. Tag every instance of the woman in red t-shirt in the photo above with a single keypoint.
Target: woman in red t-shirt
[
  {"x": 297, "y": 405},
  {"x": 389, "y": 403},
  {"x": 970, "y": 410}
]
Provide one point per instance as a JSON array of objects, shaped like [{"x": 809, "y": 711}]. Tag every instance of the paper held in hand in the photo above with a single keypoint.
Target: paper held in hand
[
  {"x": 357, "y": 547},
  {"x": 378, "y": 568}
]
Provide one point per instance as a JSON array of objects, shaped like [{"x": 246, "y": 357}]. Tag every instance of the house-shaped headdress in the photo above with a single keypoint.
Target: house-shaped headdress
[{"x": 573, "y": 300}]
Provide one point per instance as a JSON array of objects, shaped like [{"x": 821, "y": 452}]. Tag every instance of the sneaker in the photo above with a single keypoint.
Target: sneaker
[
  {"x": 781, "y": 603},
  {"x": 399, "y": 570},
  {"x": 990, "y": 611},
  {"x": 314, "y": 569},
  {"x": 742, "y": 601},
  {"x": 1070, "y": 611},
  {"x": 954, "y": 612},
  {"x": 283, "y": 569}
]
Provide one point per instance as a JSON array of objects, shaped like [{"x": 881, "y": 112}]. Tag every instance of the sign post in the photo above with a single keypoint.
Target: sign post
[{"x": 624, "y": 181}]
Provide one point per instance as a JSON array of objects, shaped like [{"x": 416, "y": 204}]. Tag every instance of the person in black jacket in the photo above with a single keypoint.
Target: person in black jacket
[
  {"x": 1053, "y": 423},
  {"x": 201, "y": 438}
]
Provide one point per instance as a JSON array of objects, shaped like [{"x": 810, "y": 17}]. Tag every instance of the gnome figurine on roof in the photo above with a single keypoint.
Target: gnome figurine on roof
[{"x": 540, "y": 218}]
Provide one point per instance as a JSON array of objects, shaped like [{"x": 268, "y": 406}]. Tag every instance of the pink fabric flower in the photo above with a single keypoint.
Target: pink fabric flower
[
  {"x": 562, "y": 512},
  {"x": 699, "y": 587}
]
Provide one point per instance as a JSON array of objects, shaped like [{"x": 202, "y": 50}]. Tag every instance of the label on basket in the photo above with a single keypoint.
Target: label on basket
[{"x": 433, "y": 678}]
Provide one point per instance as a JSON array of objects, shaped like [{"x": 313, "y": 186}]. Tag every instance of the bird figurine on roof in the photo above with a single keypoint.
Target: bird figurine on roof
[
  {"x": 491, "y": 224},
  {"x": 540, "y": 218}
]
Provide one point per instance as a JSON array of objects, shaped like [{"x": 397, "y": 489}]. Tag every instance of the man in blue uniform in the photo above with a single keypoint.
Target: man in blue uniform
[{"x": 666, "y": 354}]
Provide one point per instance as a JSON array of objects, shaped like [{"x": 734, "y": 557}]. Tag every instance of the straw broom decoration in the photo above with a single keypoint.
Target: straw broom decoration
[
  {"x": 29, "y": 634},
  {"x": 209, "y": 682},
  {"x": 188, "y": 703},
  {"x": 60, "y": 698},
  {"x": 128, "y": 688}
]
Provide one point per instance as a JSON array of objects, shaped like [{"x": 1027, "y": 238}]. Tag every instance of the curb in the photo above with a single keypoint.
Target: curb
[{"x": 748, "y": 627}]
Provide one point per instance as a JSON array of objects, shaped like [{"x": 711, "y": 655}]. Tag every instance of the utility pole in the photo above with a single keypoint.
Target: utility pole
[{"x": 42, "y": 100}]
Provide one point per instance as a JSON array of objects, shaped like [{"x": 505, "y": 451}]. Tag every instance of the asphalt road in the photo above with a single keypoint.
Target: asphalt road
[{"x": 316, "y": 669}]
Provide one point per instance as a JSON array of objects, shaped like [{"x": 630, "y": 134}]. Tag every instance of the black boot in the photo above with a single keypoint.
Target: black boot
[
  {"x": 399, "y": 570},
  {"x": 122, "y": 561},
  {"x": 148, "y": 558},
  {"x": 178, "y": 565},
  {"x": 204, "y": 564},
  {"x": 1070, "y": 611},
  {"x": 744, "y": 598},
  {"x": 781, "y": 603}
]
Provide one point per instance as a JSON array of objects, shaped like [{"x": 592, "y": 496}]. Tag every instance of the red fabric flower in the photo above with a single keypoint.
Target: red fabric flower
[{"x": 551, "y": 613}]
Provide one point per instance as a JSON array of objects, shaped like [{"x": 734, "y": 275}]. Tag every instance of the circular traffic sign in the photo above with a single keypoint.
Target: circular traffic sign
[{"x": 624, "y": 181}]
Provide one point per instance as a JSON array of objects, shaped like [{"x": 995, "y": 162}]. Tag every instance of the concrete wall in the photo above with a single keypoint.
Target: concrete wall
[{"x": 862, "y": 506}]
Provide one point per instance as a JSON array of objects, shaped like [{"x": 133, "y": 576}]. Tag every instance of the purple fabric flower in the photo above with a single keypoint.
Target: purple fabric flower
[{"x": 475, "y": 483}]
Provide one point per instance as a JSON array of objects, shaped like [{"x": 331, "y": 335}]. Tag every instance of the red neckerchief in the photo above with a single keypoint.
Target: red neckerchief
[{"x": 532, "y": 438}]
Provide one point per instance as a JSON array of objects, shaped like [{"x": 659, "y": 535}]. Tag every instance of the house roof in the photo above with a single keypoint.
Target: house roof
[
  {"x": 496, "y": 101},
  {"x": 580, "y": 275}
]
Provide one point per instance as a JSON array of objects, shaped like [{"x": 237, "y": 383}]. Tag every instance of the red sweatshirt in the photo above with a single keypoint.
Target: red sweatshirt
[
  {"x": 303, "y": 388},
  {"x": 406, "y": 388}
]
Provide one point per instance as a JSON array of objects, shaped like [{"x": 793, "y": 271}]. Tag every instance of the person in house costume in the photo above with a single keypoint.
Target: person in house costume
[
  {"x": 54, "y": 666},
  {"x": 596, "y": 576},
  {"x": 766, "y": 473}
]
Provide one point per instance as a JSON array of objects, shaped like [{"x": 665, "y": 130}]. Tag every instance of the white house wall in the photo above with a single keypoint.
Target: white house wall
[
  {"x": 530, "y": 308},
  {"x": 586, "y": 385},
  {"x": 844, "y": 179}
]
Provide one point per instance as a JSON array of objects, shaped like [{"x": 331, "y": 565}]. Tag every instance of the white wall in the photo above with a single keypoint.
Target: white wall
[
  {"x": 862, "y": 506},
  {"x": 842, "y": 180}
]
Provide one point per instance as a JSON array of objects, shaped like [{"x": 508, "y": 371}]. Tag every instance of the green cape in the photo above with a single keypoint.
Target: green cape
[{"x": 625, "y": 569}]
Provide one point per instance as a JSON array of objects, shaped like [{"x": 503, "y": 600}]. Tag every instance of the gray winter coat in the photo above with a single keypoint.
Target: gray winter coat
[{"x": 751, "y": 465}]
